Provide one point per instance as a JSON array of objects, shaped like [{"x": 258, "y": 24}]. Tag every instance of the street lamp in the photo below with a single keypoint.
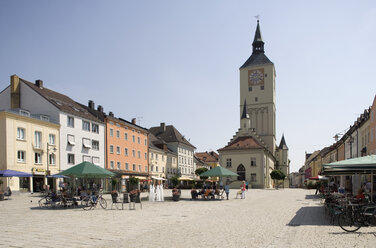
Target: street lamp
[{"x": 48, "y": 158}]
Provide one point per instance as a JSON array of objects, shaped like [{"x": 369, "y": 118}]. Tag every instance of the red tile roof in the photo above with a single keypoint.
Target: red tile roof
[
  {"x": 241, "y": 143},
  {"x": 207, "y": 156}
]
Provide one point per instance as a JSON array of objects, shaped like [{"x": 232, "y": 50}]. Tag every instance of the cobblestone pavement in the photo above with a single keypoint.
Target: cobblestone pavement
[{"x": 266, "y": 218}]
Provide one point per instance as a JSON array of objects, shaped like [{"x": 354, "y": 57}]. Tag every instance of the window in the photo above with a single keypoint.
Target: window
[
  {"x": 118, "y": 165},
  {"x": 146, "y": 155},
  {"x": 228, "y": 162},
  {"x": 134, "y": 167},
  {"x": 37, "y": 158},
  {"x": 86, "y": 126},
  {"x": 70, "y": 122},
  {"x": 21, "y": 156},
  {"x": 96, "y": 160},
  {"x": 111, "y": 132},
  {"x": 256, "y": 99},
  {"x": 20, "y": 133},
  {"x": 253, "y": 161},
  {"x": 24, "y": 112},
  {"x": 156, "y": 156},
  {"x": 52, "y": 159},
  {"x": 86, "y": 143},
  {"x": 262, "y": 87},
  {"x": 146, "y": 169},
  {"x": 145, "y": 142},
  {"x": 126, "y": 152},
  {"x": 138, "y": 140},
  {"x": 152, "y": 155},
  {"x": 139, "y": 154},
  {"x": 133, "y": 138},
  {"x": 250, "y": 88},
  {"x": 51, "y": 139},
  {"x": 118, "y": 149},
  {"x": 132, "y": 130},
  {"x": 71, "y": 140},
  {"x": 163, "y": 169},
  {"x": 95, "y": 145},
  {"x": 117, "y": 134},
  {"x": 70, "y": 158},
  {"x": 139, "y": 168},
  {"x": 126, "y": 166},
  {"x": 86, "y": 158},
  {"x": 125, "y": 136},
  {"x": 94, "y": 128},
  {"x": 111, "y": 149},
  {"x": 253, "y": 177},
  {"x": 125, "y": 128},
  {"x": 156, "y": 168},
  {"x": 117, "y": 124},
  {"x": 38, "y": 139},
  {"x": 134, "y": 153},
  {"x": 152, "y": 168},
  {"x": 112, "y": 164}
]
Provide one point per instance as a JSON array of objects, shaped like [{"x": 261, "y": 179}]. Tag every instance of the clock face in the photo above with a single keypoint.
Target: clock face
[{"x": 256, "y": 77}]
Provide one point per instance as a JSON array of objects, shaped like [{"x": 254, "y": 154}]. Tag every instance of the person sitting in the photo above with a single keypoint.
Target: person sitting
[
  {"x": 360, "y": 195},
  {"x": 8, "y": 192}
]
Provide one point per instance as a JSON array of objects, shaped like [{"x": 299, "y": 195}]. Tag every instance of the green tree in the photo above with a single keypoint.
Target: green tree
[
  {"x": 133, "y": 182},
  {"x": 200, "y": 171},
  {"x": 174, "y": 180},
  {"x": 277, "y": 175}
]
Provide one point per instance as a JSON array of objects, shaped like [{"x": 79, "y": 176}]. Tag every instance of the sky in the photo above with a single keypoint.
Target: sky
[{"x": 178, "y": 61}]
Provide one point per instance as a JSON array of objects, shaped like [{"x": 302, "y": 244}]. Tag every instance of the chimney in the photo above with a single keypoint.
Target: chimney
[
  {"x": 39, "y": 83},
  {"x": 165, "y": 147},
  {"x": 15, "y": 94},
  {"x": 91, "y": 104},
  {"x": 163, "y": 127},
  {"x": 100, "y": 108},
  {"x": 134, "y": 121},
  {"x": 111, "y": 114}
]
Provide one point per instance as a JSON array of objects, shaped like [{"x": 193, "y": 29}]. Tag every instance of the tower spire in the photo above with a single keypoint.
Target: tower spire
[
  {"x": 258, "y": 43},
  {"x": 244, "y": 114}
]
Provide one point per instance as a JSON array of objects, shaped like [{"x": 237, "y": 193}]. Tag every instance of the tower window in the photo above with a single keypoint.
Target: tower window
[
  {"x": 250, "y": 88},
  {"x": 262, "y": 87},
  {"x": 256, "y": 99},
  {"x": 266, "y": 75}
]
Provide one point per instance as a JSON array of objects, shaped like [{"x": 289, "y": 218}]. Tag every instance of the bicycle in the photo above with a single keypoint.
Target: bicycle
[
  {"x": 354, "y": 216},
  {"x": 49, "y": 200},
  {"x": 91, "y": 201}
]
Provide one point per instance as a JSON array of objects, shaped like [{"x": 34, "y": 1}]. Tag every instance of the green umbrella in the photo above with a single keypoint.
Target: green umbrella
[
  {"x": 86, "y": 169},
  {"x": 218, "y": 171}
]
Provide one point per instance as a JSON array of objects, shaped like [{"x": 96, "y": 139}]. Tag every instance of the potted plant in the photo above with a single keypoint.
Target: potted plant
[
  {"x": 176, "y": 194},
  {"x": 133, "y": 183}
]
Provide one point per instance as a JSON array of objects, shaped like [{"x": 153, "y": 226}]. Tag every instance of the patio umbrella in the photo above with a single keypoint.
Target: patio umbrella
[
  {"x": 87, "y": 170},
  {"x": 13, "y": 173},
  {"x": 218, "y": 171},
  {"x": 57, "y": 176}
]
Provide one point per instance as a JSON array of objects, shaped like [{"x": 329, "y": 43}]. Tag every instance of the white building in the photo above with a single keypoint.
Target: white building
[
  {"x": 179, "y": 146},
  {"x": 82, "y": 135}
]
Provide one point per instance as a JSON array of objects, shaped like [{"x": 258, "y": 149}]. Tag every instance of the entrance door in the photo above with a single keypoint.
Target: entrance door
[
  {"x": 38, "y": 182},
  {"x": 241, "y": 172}
]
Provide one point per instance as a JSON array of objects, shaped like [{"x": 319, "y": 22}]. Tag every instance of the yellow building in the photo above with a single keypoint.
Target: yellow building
[{"x": 29, "y": 143}]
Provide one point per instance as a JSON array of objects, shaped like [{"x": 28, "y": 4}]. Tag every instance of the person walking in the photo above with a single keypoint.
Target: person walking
[
  {"x": 246, "y": 185},
  {"x": 242, "y": 188},
  {"x": 227, "y": 189}
]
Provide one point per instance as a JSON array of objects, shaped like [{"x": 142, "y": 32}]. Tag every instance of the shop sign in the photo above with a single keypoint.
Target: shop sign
[{"x": 38, "y": 171}]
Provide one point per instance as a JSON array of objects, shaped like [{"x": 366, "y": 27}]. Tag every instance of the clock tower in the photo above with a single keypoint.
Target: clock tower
[{"x": 257, "y": 88}]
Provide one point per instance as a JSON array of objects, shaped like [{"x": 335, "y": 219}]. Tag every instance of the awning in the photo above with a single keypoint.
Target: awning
[
  {"x": 158, "y": 178},
  {"x": 185, "y": 179}
]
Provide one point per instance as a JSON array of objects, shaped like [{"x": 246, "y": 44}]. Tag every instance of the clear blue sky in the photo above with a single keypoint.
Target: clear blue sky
[{"x": 178, "y": 61}]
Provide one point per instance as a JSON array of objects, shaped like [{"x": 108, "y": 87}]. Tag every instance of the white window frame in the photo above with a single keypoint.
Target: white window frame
[
  {"x": 38, "y": 139},
  {"x": 94, "y": 128},
  {"x": 70, "y": 121},
  {"x": 86, "y": 158},
  {"x": 21, "y": 156},
  {"x": 70, "y": 156},
  {"x": 126, "y": 152},
  {"x": 52, "y": 158},
  {"x": 95, "y": 145},
  {"x": 71, "y": 140},
  {"x": 86, "y": 143},
  {"x": 117, "y": 134},
  {"x": 118, "y": 150},
  {"x": 21, "y": 133},
  {"x": 37, "y": 158},
  {"x": 51, "y": 139},
  {"x": 111, "y": 149},
  {"x": 85, "y": 126},
  {"x": 96, "y": 160}
]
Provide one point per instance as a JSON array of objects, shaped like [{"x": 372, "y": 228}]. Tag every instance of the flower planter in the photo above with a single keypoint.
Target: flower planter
[
  {"x": 1, "y": 197},
  {"x": 175, "y": 197}
]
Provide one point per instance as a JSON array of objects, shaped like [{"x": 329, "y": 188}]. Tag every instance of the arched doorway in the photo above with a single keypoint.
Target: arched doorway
[{"x": 241, "y": 172}]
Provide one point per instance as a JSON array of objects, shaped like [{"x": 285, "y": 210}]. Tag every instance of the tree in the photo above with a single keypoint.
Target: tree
[
  {"x": 174, "y": 181},
  {"x": 200, "y": 171},
  {"x": 277, "y": 175},
  {"x": 133, "y": 182}
]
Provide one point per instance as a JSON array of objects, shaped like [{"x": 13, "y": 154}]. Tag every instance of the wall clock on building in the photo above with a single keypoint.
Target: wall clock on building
[{"x": 255, "y": 77}]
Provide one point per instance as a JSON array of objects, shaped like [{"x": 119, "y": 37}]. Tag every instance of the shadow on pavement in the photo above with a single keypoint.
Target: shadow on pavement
[{"x": 310, "y": 216}]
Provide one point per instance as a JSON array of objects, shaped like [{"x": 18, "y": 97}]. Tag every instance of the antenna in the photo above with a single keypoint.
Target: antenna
[{"x": 139, "y": 119}]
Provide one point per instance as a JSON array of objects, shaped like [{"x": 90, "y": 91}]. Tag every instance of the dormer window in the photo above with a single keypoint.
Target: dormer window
[{"x": 24, "y": 113}]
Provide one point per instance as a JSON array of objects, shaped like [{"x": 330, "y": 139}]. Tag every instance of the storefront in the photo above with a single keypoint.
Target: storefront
[{"x": 38, "y": 178}]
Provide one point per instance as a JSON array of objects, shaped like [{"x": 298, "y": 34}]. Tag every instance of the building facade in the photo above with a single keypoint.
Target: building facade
[
  {"x": 177, "y": 144},
  {"x": 81, "y": 134},
  {"x": 252, "y": 152},
  {"x": 29, "y": 143}
]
